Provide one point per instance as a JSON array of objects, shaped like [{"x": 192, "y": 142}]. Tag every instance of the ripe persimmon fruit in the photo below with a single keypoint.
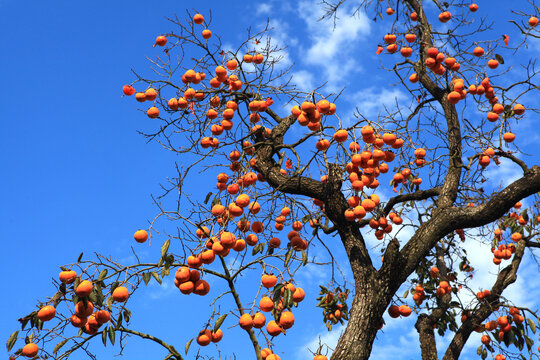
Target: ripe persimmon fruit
[
  {"x": 46, "y": 313},
  {"x": 30, "y": 350},
  {"x": 206, "y": 34},
  {"x": 67, "y": 276},
  {"x": 198, "y": 19},
  {"x": 120, "y": 294},
  {"x": 84, "y": 288},
  {"x": 161, "y": 40},
  {"x": 268, "y": 280},
  {"x": 140, "y": 236}
]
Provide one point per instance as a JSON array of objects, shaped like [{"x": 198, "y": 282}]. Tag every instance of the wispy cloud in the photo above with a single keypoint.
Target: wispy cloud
[
  {"x": 328, "y": 46},
  {"x": 372, "y": 101}
]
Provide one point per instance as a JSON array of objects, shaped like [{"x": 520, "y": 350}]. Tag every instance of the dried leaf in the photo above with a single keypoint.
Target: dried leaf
[
  {"x": 12, "y": 340},
  {"x": 111, "y": 334},
  {"x": 288, "y": 257},
  {"x": 219, "y": 321},
  {"x": 59, "y": 345},
  {"x": 532, "y": 325},
  {"x": 102, "y": 274},
  {"x": 165, "y": 247},
  {"x": 187, "y": 345},
  {"x": 206, "y": 202},
  {"x": 156, "y": 276},
  {"x": 104, "y": 336},
  {"x": 146, "y": 277}
]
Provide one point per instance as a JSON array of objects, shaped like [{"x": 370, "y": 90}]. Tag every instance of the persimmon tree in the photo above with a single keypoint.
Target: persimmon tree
[{"x": 292, "y": 174}]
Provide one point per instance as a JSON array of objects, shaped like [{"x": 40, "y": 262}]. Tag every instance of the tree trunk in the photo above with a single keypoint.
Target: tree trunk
[{"x": 366, "y": 312}]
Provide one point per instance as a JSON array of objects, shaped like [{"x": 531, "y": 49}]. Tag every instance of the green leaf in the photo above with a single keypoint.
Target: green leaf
[
  {"x": 219, "y": 321},
  {"x": 92, "y": 297},
  {"x": 23, "y": 323},
  {"x": 206, "y": 202},
  {"x": 288, "y": 256},
  {"x": 156, "y": 276},
  {"x": 256, "y": 249},
  {"x": 532, "y": 325},
  {"x": 287, "y": 298},
  {"x": 499, "y": 59},
  {"x": 59, "y": 345},
  {"x": 304, "y": 258},
  {"x": 479, "y": 350},
  {"x": 187, "y": 345},
  {"x": 406, "y": 293},
  {"x": 99, "y": 295},
  {"x": 102, "y": 274},
  {"x": 76, "y": 282},
  {"x": 529, "y": 342},
  {"x": 277, "y": 294},
  {"x": 12, "y": 340},
  {"x": 165, "y": 247},
  {"x": 110, "y": 301},
  {"x": 127, "y": 315},
  {"x": 119, "y": 320},
  {"x": 104, "y": 336},
  {"x": 146, "y": 277},
  {"x": 80, "y": 257},
  {"x": 111, "y": 334}
]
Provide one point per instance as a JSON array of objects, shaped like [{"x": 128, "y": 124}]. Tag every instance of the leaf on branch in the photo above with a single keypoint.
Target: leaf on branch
[
  {"x": 104, "y": 337},
  {"x": 288, "y": 257},
  {"x": 207, "y": 198},
  {"x": 110, "y": 301},
  {"x": 102, "y": 274},
  {"x": 156, "y": 276},
  {"x": 304, "y": 258},
  {"x": 99, "y": 295},
  {"x": 127, "y": 315},
  {"x": 187, "y": 345},
  {"x": 277, "y": 294},
  {"x": 59, "y": 345},
  {"x": 532, "y": 325},
  {"x": 256, "y": 249},
  {"x": 165, "y": 247},
  {"x": 146, "y": 277},
  {"x": 499, "y": 59},
  {"x": 406, "y": 293},
  {"x": 218, "y": 323},
  {"x": 11, "y": 341},
  {"x": 80, "y": 257},
  {"x": 288, "y": 300},
  {"x": 529, "y": 342},
  {"x": 119, "y": 320},
  {"x": 111, "y": 334}
]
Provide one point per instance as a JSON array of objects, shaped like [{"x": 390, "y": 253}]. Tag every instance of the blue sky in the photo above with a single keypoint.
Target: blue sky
[{"x": 78, "y": 177}]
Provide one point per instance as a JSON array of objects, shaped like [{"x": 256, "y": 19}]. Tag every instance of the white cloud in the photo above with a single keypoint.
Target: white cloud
[
  {"x": 507, "y": 172},
  {"x": 329, "y": 46},
  {"x": 304, "y": 79},
  {"x": 263, "y": 9},
  {"x": 371, "y": 101},
  {"x": 399, "y": 345}
]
